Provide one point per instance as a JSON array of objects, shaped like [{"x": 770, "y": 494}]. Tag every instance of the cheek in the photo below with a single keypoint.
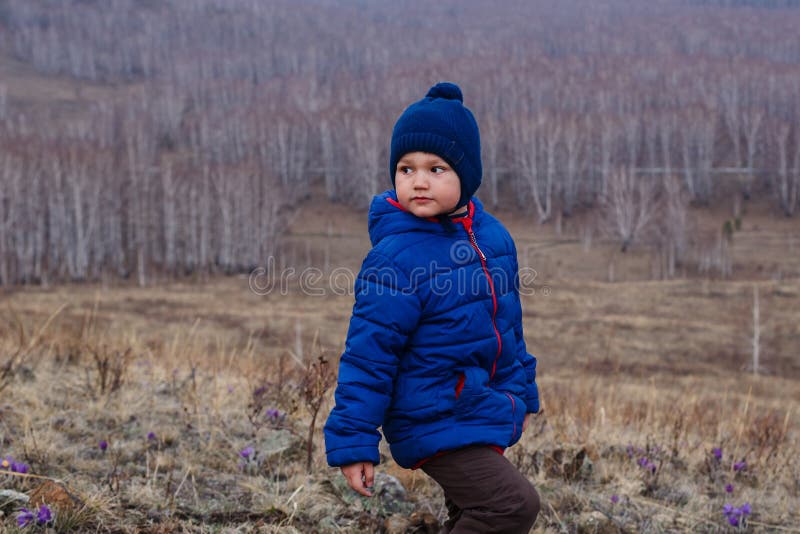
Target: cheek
[{"x": 454, "y": 189}]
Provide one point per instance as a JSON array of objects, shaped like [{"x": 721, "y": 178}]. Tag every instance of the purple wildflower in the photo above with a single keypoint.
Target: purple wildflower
[
  {"x": 729, "y": 488},
  {"x": 151, "y": 436},
  {"x": 717, "y": 452},
  {"x": 645, "y": 463},
  {"x": 738, "y": 466},
  {"x": 247, "y": 452},
  {"x": 629, "y": 451},
  {"x": 45, "y": 515},
  {"x": 19, "y": 467},
  {"x": 24, "y": 518},
  {"x": 736, "y": 515},
  {"x": 615, "y": 499},
  {"x": 9, "y": 464},
  {"x": 103, "y": 445},
  {"x": 230, "y": 389}
]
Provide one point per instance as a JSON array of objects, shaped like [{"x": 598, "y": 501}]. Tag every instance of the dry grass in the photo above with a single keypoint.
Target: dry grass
[
  {"x": 630, "y": 369},
  {"x": 626, "y": 370}
]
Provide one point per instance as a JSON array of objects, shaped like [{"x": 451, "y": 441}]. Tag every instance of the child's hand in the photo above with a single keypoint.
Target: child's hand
[
  {"x": 360, "y": 477},
  {"x": 528, "y": 418}
]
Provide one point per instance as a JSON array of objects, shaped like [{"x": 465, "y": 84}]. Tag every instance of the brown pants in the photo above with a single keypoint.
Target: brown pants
[{"x": 483, "y": 492}]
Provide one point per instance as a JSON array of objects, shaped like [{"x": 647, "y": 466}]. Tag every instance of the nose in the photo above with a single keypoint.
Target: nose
[{"x": 420, "y": 180}]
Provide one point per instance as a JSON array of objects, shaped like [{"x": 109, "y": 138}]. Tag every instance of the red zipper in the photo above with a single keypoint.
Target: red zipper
[{"x": 467, "y": 222}]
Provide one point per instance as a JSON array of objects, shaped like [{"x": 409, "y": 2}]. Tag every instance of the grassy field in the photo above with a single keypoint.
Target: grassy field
[{"x": 202, "y": 392}]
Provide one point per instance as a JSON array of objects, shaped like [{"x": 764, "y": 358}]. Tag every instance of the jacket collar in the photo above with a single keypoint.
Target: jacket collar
[{"x": 387, "y": 216}]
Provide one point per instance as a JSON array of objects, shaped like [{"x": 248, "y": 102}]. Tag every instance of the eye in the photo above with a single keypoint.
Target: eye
[
  {"x": 438, "y": 169},
  {"x": 405, "y": 169}
]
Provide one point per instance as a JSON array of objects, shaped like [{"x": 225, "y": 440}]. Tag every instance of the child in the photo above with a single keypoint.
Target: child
[{"x": 435, "y": 353}]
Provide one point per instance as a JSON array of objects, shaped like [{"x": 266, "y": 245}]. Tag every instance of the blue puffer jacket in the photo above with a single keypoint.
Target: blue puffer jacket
[{"x": 434, "y": 352}]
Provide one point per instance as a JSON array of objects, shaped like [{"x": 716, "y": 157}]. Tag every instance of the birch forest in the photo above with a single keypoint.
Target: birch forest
[{"x": 227, "y": 113}]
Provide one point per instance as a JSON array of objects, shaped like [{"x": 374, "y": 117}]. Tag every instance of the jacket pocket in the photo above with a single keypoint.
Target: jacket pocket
[
  {"x": 473, "y": 390},
  {"x": 456, "y": 395}
]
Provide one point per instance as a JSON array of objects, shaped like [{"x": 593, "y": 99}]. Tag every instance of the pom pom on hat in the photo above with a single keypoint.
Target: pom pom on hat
[
  {"x": 440, "y": 124},
  {"x": 447, "y": 90}
]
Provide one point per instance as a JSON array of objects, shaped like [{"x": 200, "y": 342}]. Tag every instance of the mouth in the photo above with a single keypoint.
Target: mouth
[{"x": 420, "y": 199}]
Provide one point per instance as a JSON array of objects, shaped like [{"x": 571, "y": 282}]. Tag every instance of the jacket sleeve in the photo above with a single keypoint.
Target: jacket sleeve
[
  {"x": 386, "y": 310},
  {"x": 527, "y": 360}
]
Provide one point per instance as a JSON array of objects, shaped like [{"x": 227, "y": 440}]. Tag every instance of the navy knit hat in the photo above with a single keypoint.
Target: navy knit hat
[{"x": 440, "y": 124}]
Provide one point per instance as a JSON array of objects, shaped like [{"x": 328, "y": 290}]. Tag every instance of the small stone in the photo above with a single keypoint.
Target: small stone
[
  {"x": 56, "y": 495},
  {"x": 11, "y": 495},
  {"x": 390, "y": 492},
  {"x": 425, "y": 522},
  {"x": 595, "y": 523},
  {"x": 396, "y": 524}
]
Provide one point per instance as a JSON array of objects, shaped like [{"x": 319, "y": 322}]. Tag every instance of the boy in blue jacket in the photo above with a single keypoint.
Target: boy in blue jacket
[{"x": 435, "y": 353}]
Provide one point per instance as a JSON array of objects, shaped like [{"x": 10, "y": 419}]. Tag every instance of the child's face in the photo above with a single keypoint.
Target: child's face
[{"x": 426, "y": 185}]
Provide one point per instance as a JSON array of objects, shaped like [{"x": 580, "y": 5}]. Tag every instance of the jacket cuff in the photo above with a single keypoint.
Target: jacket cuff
[
  {"x": 353, "y": 455},
  {"x": 532, "y": 398}
]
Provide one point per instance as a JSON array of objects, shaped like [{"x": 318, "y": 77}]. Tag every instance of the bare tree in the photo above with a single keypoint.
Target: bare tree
[
  {"x": 368, "y": 165},
  {"x": 140, "y": 153},
  {"x": 491, "y": 136},
  {"x": 731, "y": 114},
  {"x": 536, "y": 156},
  {"x": 574, "y": 145},
  {"x": 331, "y": 170},
  {"x": 795, "y": 198},
  {"x": 666, "y": 134},
  {"x": 751, "y": 124},
  {"x": 673, "y": 227},
  {"x": 9, "y": 178},
  {"x": 688, "y": 158},
  {"x": 170, "y": 217},
  {"x": 3, "y": 101},
  {"x": 550, "y": 128},
  {"x": 706, "y": 134},
  {"x": 652, "y": 131},
  {"x": 633, "y": 138},
  {"x": 608, "y": 139},
  {"x": 629, "y": 206},
  {"x": 783, "y": 185}
]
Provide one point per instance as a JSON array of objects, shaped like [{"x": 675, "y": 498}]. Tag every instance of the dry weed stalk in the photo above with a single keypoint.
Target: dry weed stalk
[
  {"x": 318, "y": 379},
  {"x": 111, "y": 365},
  {"x": 7, "y": 369},
  {"x": 25, "y": 347}
]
